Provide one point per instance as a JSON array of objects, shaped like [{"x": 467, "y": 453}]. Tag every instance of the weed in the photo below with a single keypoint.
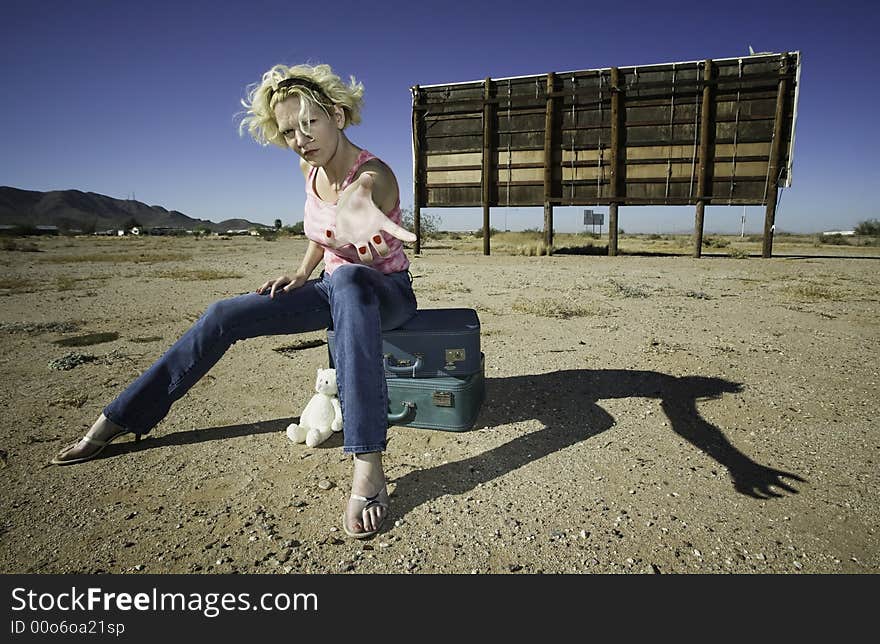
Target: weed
[
  {"x": 198, "y": 275},
  {"x": 70, "y": 360},
  {"x": 737, "y": 253},
  {"x": 550, "y": 308},
  {"x": 119, "y": 258},
  {"x": 833, "y": 240},
  {"x": 25, "y": 247},
  {"x": 448, "y": 287},
  {"x": 627, "y": 291},
  {"x": 15, "y": 285},
  {"x": 815, "y": 292},
  {"x": 715, "y": 242},
  {"x": 76, "y": 401},
  {"x": 39, "y": 327}
]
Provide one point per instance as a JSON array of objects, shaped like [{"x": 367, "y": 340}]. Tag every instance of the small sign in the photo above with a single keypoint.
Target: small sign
[{"x": 594, "y": 218}]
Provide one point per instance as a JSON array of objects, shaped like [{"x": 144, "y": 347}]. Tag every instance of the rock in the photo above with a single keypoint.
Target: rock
[{"x": 325, "y": 484}]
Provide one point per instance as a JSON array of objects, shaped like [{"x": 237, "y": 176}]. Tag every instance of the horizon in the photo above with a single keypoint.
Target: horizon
[{"x": 149, "y": 106}]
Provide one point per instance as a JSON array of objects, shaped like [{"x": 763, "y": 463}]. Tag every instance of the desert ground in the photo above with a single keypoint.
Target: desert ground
[{"x": 644, "y": 414}]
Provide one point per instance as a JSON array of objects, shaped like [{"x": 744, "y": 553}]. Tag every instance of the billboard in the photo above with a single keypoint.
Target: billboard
[{"x": 712, "y": 131}]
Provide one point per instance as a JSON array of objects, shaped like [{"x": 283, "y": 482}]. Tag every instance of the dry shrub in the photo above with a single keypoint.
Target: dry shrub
[
  {"x": 815, "y": 292},
  {"x": 198, "y": 275},
  {"x": 551, "y": 308},
  {"x": 616, "y": 288},
  {"x": 119, "y": 258},
  {"x": 536, "y": 249}
]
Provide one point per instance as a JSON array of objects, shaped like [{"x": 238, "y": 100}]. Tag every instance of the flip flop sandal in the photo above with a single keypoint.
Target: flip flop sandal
[
  {"x": 380, "y": 499},
  {"x": 60, "y": 460}
]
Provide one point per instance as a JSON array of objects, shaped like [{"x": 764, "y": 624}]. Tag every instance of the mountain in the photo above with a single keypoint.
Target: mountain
[{"x": 89, "y": 211}]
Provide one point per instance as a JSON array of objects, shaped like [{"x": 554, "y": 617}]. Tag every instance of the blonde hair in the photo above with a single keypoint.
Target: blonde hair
[{"x": 259, "y": 115}]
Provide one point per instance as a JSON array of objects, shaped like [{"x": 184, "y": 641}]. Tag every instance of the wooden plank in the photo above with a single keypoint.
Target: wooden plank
[
  {"x": 488, "y": 138},
  {"x": 548, "y": 162},
  {"x": 617, "y": 156},
  {"x": 704, "y": 176},
  {"x": 418, "y": 167},
  {"x": 775, "y": 155}
]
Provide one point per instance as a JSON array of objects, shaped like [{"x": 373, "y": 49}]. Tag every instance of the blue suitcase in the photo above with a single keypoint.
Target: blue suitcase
[
  {"x": 434, "y": 370},
  {"x": 446, "y": 403},
  {"x": 435, "y": 343}
]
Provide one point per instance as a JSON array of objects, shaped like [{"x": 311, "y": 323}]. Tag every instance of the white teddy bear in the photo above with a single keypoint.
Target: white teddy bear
[{"x": 322, "y": 415}]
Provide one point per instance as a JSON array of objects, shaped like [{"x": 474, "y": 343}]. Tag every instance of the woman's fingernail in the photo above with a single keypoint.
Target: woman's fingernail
[
  {"x": 377, "y": 239},
  {"x": 362, "y": 250},
  {"x": 329, "y": 234}
]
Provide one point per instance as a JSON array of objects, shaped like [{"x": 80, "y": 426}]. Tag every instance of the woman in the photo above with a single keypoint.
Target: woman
[{"x": 349, "y": 192}]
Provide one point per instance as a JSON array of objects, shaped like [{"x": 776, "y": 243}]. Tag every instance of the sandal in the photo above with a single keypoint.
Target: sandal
[
  {"x": 100, "y": 444},
  {"x": 380, "y": 499}
]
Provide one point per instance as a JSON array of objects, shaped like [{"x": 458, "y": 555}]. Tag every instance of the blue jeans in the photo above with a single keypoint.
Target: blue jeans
[{"x": 359, "y": 301}]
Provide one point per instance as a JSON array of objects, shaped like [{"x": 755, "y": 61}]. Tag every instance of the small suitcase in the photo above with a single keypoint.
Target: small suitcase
[
  {"x": 433, "y": 343},
  {"x": 446, "y": 403}
]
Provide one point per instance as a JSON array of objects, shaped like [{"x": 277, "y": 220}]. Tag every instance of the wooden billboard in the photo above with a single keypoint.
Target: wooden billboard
[{"x": 703, "y": 133}]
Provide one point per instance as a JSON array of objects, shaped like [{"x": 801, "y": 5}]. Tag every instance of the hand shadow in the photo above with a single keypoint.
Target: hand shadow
[{"x": 566, "y": 403}]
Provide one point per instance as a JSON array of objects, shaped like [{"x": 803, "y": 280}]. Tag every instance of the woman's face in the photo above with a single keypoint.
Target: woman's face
[{"x": 319, "y": 145}]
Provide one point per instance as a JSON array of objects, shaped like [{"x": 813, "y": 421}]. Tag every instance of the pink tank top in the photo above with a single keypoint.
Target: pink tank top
[{"x": 320, "y": 216}]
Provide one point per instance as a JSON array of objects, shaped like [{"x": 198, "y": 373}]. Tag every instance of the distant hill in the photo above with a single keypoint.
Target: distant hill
[{"x": 89, "y": 212}]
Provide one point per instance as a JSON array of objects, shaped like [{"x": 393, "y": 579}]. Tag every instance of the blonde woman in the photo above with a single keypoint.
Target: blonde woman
[{"x": 352, "y": 209}]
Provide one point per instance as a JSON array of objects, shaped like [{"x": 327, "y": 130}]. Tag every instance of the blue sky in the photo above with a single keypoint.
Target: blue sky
[{"x": 140, "y": 97}]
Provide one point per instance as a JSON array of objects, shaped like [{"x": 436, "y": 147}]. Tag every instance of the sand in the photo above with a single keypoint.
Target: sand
[{"x": 643, "y": 415}]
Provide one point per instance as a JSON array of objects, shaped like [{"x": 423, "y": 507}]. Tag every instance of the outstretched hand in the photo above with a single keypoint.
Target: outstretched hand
[{"x": 360, "y": 223}]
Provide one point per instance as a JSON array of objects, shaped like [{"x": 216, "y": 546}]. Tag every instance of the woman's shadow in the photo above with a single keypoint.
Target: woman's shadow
[{"x": 566, "y": 403}]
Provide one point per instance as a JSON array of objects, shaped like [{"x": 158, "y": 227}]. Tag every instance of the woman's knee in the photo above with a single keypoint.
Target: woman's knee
[
  {"x": 352, "y": 274},
  {"x": 354, "y": 278},
  {"x": 222, "y": 314}
]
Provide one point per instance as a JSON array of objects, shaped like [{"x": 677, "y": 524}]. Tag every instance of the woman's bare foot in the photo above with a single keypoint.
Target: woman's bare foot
[
  {"x": 368, "y": 481},
  {"x": 101, "y": 434}
]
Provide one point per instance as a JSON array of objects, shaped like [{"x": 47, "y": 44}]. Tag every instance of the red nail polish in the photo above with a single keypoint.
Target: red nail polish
[
  {"x": 362, "y": 250},
  {"x": 377, "y": 239},
  {"x": 329, "y": 234}
]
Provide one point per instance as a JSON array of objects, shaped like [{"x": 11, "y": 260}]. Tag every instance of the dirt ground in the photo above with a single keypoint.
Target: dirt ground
[{"x": 643, "y": 415}]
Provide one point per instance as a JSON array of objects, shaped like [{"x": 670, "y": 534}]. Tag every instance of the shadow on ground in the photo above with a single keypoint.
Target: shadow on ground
[{"x": 567, "y": 404}]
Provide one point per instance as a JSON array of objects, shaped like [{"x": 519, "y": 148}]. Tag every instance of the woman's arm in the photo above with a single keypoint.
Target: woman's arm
[{"x": 283, "y": 283}]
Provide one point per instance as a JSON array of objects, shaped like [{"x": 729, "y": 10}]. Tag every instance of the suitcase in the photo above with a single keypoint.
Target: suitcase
[
  {"x": 446, "y": 403},
  {"x": 434, "y": 343}
]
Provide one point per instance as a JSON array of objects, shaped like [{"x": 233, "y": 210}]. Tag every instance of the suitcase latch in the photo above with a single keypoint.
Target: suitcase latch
[
  {"x": 443, "y": 399},
  {"x": 454, "y": 355}
]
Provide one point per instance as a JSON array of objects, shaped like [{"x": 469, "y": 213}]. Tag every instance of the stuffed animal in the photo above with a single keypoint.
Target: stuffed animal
[{"x": 322, "y": 415}]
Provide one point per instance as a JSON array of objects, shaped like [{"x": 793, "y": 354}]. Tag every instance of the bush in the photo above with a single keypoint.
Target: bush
[
  {"x": 715, "y": 242},
  {"x": 870, "y": 227},
  {"x": 430, "y": 224},
  {"x": 834, "y": 240},
  {"x": 296, "y": 229}
]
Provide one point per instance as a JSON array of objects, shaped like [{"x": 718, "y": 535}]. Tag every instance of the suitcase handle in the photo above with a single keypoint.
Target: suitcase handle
[
  {"x": 408, "y": 409},
  {"x": 402, "y": 368}
]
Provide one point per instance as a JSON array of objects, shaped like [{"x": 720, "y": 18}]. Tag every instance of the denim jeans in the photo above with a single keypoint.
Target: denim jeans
[{"x": 359, "y": 302}]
